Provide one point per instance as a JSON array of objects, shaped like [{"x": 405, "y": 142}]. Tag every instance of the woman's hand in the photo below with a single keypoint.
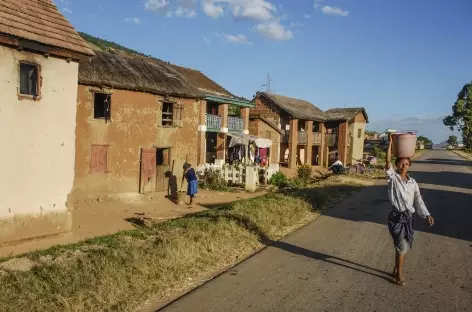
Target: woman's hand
[{"x": 430, "y": 221}]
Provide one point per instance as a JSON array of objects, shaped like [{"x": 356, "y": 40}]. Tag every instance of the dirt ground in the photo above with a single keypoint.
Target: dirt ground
[{"x": 113, "y": 213}]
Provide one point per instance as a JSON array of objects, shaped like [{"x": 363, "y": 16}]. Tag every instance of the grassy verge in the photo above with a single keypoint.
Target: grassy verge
[
  {"x": 462, "y": 153},
  {"x": 120, "y": 271}
]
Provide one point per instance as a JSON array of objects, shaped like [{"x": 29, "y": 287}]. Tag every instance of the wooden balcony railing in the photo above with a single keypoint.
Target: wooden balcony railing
[
  {"x": 235, "y": 124},
  {"x": 213, "y": 122},
  {"x": 331, "y": 139},
  {"x": 302, "y": 137},
  {"x": 316, "y": 138}
]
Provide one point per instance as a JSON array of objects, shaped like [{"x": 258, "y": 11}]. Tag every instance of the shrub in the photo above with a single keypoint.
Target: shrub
[
  {"x": 377, "y": 151},
  {"x": 278, "y": 179},
  {"x": 304, "y": 173},
  {"x": 297, "y": 183},
  {"x": 212, "y": 180}
]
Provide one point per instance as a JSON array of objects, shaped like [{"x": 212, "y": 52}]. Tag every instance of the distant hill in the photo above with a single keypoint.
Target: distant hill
[
  {"x": 441, "y": 145},
  {"x": 105, "y": 45}
]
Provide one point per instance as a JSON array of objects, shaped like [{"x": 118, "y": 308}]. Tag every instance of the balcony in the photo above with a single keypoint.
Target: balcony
[
  {"x": 302, "y": 137},
  {"x": 213, "y": 122},
  {"x": 316, "y": 138},
  {"x": 331, "y": 139},
  {"x": 235, "y": 124}
]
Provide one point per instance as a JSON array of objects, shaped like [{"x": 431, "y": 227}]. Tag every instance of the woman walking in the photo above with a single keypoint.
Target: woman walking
[
  {"x": 192, "y": 182},
  {"x": 405, "y": 197}
]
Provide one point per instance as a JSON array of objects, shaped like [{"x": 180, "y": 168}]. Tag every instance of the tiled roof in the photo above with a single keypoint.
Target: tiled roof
[
  {"x": 297, "y": 108},
  {"x": 40, "y": 21}
]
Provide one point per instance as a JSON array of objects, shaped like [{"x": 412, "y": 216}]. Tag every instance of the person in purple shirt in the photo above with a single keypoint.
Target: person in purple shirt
[{"x": 192, "y": 181}]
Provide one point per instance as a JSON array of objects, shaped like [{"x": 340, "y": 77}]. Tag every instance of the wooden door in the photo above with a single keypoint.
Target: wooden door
[
  {"x": 148, "y": 170},
  {"x": 163, "y": 173}
]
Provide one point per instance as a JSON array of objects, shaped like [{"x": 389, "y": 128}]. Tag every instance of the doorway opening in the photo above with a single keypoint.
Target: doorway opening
[{"x": 155, "y": 175}]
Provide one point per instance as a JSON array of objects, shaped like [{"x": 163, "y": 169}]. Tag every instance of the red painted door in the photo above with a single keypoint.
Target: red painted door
[{"x": 148, "y": 170}]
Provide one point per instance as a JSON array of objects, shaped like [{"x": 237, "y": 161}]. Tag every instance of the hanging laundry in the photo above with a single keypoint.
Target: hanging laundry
[{"x": 263, "y": 155}]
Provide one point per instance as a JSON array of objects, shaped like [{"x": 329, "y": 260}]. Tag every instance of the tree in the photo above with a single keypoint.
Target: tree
[
  {"x": 452, "y": 141},
  {"x": 424, "y": 140},
  {"x": 461, "y": 118}
]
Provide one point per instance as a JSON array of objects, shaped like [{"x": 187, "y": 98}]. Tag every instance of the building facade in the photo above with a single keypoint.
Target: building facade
[
  {"x": 140, "y": 119},
  {"x": 312, "y": 136},
  {"x": 38, "y": 91}
]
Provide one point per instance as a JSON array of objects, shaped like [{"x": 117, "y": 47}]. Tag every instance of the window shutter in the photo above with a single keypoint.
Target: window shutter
[
  {"x": 159, "y": 114},
  {"x": 94, "y": 159},
  {"x": 177, "y": 114},
  {"x": 99, "y": 158},
  {"x": 103, "y": 159}
]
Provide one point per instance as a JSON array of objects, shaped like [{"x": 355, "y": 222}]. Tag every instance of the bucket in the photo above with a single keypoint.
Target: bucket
[
  {"x": 181, "y": 198},
  {"x": 404, "y": 145}
]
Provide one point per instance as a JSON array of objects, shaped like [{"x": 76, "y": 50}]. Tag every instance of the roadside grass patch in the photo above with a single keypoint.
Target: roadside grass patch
[{"x": 118, "y": 272}]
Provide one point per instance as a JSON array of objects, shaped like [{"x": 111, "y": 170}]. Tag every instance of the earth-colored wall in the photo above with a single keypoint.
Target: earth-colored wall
[{"x": 135, "y": 123}]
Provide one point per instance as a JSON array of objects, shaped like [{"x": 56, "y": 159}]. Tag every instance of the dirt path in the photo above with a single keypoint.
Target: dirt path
[
  {"x": 342, "y": 261},
  {"x": 111, "y": 214}
]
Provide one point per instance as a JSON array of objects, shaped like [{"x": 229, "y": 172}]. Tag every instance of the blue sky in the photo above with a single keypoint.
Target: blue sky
[{"x": 404, "y": 61}]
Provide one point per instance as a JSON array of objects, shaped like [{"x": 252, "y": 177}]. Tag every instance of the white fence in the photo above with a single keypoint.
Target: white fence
[{"x": 236, "y": 174}]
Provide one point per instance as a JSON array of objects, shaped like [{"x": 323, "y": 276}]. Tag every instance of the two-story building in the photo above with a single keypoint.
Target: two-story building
[
  {"x": 310, "y": 135},
  {"x": 139, "y": 119},
  {"x": 349, "y": 124},
  {"x": 39, "y": 54},
  {"x": 301, "y": 124}
]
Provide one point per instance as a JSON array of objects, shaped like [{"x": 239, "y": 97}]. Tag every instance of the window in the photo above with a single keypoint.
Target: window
[
  {"x": 167, "y": 110},
  {"x": 29, "y": 79},
  {"x": 172, "y": 114},
  {"x": 99, "y": 158},
  {"x": 102, "y": 106},
  {"x": 359, "y": 133},
  {"x": 268, "y": 135}
]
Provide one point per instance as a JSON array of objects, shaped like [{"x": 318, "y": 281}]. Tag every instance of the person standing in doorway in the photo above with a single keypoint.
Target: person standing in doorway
[
  {"x": 192, "y": 182},
  {"x": 405, "y": 197}
]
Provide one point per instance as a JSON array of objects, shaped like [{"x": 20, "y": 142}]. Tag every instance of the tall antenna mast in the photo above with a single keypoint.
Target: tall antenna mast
[{"x": 268, "y": 83}]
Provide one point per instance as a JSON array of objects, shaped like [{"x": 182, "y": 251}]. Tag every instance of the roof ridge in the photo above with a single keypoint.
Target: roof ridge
[{"x": 40, "y": 21}]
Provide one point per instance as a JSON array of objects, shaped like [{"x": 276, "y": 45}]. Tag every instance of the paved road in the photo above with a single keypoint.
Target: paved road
[{"x": 341, "y": 261}]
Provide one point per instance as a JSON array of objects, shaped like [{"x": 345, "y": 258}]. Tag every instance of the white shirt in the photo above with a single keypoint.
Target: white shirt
[
  {"x": 337, "y": 162},
  {"x": 405, "y": 195}
]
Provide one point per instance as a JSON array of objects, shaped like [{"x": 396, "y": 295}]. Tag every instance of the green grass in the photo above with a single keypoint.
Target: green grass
[{"x": 120, "y": 271}]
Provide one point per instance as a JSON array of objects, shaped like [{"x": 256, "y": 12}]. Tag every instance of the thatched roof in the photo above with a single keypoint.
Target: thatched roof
[
  {"x": 345, "y": 113},
  {"x": 297, "y": 108},
  {"x": 40, "y": 21},
  {"x": 121, "y": 71},
  {"x": 122, "y": 68},
  {"x": 202, "y": 82}
]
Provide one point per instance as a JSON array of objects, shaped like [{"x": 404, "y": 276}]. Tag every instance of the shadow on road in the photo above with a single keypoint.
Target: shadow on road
[
  {"x": 444, "y": 178},
  {"x": 449, "y": 162},
  {"x": 452, "y": 211},
  {"x": 330, "y": 259}
]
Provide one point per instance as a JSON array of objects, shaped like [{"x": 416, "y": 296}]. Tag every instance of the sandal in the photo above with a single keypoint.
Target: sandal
[{"x": 399, "y": 281}]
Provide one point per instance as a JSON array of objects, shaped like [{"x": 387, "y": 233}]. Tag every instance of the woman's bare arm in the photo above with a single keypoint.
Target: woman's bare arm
[{"x": 388, "y": 161}]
